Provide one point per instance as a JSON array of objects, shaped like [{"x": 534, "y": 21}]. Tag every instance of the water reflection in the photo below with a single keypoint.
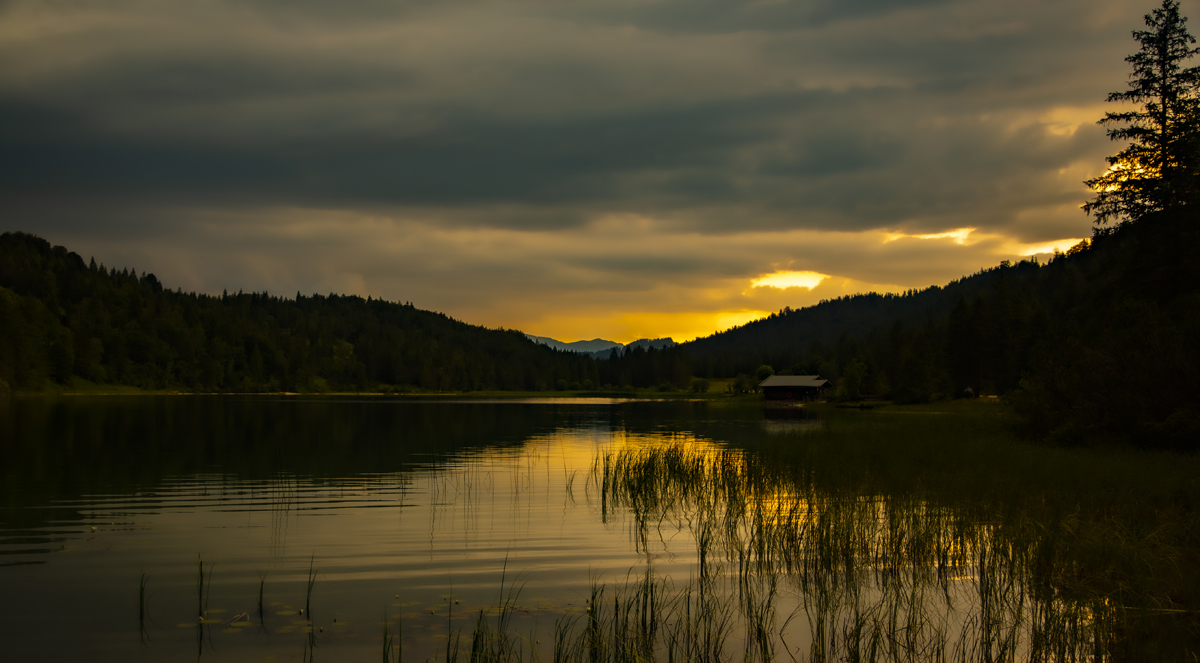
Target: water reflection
[
  {"x": 790, "y": 421},
  {"x": 418, "y": 508},
  {"x": 237, "y": 529},
  {"x": 875, "y": 576}
]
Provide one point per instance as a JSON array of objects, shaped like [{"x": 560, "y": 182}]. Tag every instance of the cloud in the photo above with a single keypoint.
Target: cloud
[
  {"x": 619, "y": 276},
  {"x": 788, "y": 279},
  {"x": 532, "y": 162}
]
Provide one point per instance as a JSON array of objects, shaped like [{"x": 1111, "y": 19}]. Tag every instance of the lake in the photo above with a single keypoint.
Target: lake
[{"x": 285, "y": 528}]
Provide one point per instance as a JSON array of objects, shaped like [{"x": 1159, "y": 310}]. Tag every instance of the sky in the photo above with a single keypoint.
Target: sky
[{"x": 577, "y": 169}]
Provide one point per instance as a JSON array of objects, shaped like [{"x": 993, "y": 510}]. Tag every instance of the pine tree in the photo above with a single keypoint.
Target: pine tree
[{"x": 1157, "y": 170}]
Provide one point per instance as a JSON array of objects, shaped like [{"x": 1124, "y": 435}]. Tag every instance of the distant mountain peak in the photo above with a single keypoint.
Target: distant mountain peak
[
  {"x": 583, "y": 347},
  {"x": 601, "y": 348}
]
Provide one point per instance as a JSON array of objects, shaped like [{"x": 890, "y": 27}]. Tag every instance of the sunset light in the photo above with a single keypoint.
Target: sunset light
[
  {"x": 1060, "y": 245},
  {"x": 808, "y": 280},
  {"x": 959, "y": 235},
  {"x": 659, "y": 331}
]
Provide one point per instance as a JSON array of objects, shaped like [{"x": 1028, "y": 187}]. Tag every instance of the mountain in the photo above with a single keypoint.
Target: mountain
[
  {"x": 596, "y": 345},
  {"x": 658, "y": 343},
  {"x": 599, "y": 348}
]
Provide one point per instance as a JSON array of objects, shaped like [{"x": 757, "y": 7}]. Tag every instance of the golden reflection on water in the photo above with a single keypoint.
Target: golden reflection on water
[
  {"x": 895, "y": 576},
  {"x": 682, "y": 522}
]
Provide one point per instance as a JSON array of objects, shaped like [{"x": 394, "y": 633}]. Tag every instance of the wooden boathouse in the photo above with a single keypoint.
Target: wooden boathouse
[{"x": 794, "y": 387}]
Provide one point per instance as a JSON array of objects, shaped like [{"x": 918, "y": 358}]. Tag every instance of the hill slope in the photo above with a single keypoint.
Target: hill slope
[
  {"x": 61, "y": 317},
  {"x": 1101, "y": 343}
]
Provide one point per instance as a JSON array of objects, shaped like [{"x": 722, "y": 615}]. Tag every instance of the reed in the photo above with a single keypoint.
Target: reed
[
  {"x": 200, "y": 587},
  {"x": 203, "y": 587},
  {"x": 262, "y": 584},
  {"x": 494, "y": 639},
  {"x": 312, "y": 580},
  {"x": 880, "y": 576},
  {"x": 853, "y": 543},
  {"x": 142, "y": 632},
  {"x": 388, "y": 644}
]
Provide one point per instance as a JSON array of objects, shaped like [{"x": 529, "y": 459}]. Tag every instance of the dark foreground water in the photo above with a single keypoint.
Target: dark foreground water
[
  {"x": 113, "y": 507},
  {"x": 585, "y": 531}
]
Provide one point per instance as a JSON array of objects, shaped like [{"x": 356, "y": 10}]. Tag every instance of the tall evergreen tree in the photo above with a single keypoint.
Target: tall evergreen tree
[{"x": 1157, "y": 170}]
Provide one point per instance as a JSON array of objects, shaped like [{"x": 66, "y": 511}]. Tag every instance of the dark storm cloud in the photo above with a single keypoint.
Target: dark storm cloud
[
  {"x": 284, "y": 109},
  {"x": 848, "y": 171},
  {"x": 566, "y": 151},
  {"x": 466, "y": 159},
  {"x": 707, "y": 16}
]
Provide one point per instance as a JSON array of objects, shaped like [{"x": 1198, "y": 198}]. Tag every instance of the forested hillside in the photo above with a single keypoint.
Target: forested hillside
[
  {"x": 61, "y": 317},
  {"x": 1100, "y": 343},
  {"x": 881, "y": 332}
]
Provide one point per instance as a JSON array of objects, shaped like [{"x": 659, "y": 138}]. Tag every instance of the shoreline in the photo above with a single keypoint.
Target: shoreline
[{"x": 641, "y": 395}]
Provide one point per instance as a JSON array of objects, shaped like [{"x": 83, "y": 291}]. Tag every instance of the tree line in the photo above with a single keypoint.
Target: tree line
[
  {"x": 62, "y": 318},
  {"x": 1099, "y": 343}
]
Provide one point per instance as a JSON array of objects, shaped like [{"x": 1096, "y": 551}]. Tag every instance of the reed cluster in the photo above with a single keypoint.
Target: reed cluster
[
  {"x": 879, "y": 577},
  {"x": 939, "y": 541}
]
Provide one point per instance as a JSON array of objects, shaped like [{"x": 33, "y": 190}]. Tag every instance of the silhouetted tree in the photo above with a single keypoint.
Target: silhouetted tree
[{"x": 1157, "y": 170}]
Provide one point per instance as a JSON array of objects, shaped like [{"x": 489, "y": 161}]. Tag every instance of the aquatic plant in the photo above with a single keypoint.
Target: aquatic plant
[
  {"x": 203, "y": 590},
  {"x": 262, "y": 583},
  {"x": 312, "y": 580},
  {"x": 879, "y": 576},
  {"x": 142, "y": 582}
]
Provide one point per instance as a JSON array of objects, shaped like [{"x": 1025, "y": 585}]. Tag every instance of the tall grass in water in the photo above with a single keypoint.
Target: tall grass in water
[
  {"x": 142, "y": 632},
  {"x": 646, "y": 619},
  {"x": 202, "y": 589},
  {"x": 391, "y": 643},
  {"x": 262, "y": 584},
  {"x": 311, "y": 641},
  {"x": 844, "y": 548},
  {"x": 492, "y": 639},
  {"x": 879, "y": 576},
  {"x": 312, "y": 580}
]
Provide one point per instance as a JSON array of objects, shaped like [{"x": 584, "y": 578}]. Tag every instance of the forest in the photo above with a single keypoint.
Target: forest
[
  {"x": 1098, "y": 344},
  {"x": 62, "y": 318}
]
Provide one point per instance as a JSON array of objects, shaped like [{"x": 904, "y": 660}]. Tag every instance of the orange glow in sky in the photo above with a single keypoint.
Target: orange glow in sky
[
  {"x": 808, "y": 280},
  {"x": 629, "y": 327}
]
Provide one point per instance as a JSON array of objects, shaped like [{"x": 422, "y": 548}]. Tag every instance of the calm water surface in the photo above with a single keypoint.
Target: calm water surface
[{"x": 427, "y": 510}]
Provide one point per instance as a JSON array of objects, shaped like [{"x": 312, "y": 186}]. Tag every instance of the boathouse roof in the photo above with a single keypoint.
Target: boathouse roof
[{"x": 812, "y": 381}]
